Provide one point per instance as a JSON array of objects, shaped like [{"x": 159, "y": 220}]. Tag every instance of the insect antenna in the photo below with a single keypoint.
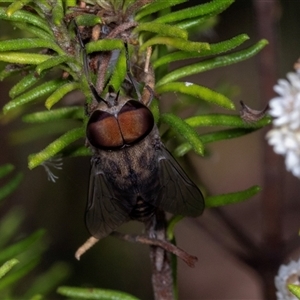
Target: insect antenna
[
  {"x": 86, "y": 67},
  {"x": 128, "y": 71}
]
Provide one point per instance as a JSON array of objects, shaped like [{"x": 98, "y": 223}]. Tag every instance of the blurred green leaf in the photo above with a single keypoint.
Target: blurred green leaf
[
  {"x": 7, "y": 266},
  {"x": 19, "y": 247},
  {"x": 9, "y": 187},
  {"x": 16, "y": 275},
  {"x": 49, "y": 280},
  {"x": 9, "y": 224},
  {"x": 171, "y": 226},
  {"x": 91, "y": 293},
  {"x": 6, "y": 169},
  {"x": 231, "y": 198}
]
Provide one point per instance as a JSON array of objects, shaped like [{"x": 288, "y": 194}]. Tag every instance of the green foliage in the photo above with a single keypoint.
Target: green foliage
[
  {"x": 88, "y": 293},
  {"x": 63, "y": 53},
  {"x": 19, "y": 258},
  {"x": 294, "y": 289},
  {"x": 51, "y": 59},
  {"x": 231, "y": 198},
  {"x": 12, "y": 184}
]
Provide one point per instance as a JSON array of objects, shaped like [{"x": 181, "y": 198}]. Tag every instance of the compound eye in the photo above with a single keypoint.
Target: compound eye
[
  {"x": 103, "y": 131},
  {"x": 135, "y": 121}
]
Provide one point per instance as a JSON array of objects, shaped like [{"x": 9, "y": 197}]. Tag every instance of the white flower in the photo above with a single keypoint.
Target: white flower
[
  {"x": 285, "y": 109},
  {"x": 287, "y": 274}
]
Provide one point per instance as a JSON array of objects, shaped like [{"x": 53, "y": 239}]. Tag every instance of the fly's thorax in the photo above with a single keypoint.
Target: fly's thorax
[
  {"x": 133, "y": 168},
  {"x": 120, "y": 125}
]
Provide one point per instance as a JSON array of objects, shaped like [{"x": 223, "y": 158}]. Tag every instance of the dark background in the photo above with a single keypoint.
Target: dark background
[{"x": 232, "y": 165}]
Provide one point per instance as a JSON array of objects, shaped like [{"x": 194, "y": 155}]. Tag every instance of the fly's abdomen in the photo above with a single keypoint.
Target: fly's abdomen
[{"x": 142, "y": 211}]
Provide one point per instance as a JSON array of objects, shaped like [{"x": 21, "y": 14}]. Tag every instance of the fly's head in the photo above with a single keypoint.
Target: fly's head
[{"x": 118, "y": 122}]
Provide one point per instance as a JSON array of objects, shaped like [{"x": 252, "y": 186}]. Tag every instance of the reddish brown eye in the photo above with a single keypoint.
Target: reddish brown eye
[
  {"x": 103, "y": 131},
  {"x": 135, "y": 121}
]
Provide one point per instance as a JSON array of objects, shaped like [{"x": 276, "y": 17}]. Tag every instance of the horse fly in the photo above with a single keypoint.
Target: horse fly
[{"x": 132, "y": 173}]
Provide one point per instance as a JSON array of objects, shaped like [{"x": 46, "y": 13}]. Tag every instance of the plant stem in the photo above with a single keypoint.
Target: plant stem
[
  {"x": 272, "y": 192},
  {"x": 162, "y": 280}
]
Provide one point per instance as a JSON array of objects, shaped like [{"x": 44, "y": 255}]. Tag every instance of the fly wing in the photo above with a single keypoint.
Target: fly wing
[
  {"x": 178, "y": 194},
  {"x": 104, "y": 212}
]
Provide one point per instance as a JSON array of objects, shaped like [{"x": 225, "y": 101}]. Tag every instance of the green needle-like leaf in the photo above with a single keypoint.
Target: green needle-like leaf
[
  {"x": 176, "y": 43},
  {"x": 119, "y": 73},
  {"x": 19, "y": 247},
  {"x": 89, "y": 293},
  {"x": 88, "y": 20},
  {"x": 60, "y": 93},
  {"x": 24, "y": 84},
  {"x": 226, "y": 134},
  {"x": 6, "y": 267},
  {"x": 15, "y": 276},
  {"x": 104, "y": 45},
  {"x": 171, "y": 226},
  {"x": 211, "y": 8},
  {"x": 185, "y": 130},
  {"x": 196, "y": 91},
  {"x": 231, "y": 198},
  {"x": 6, "y": 169},
  {"x": 156, "y": 6},
  {"x": 214, "y": 49},
  {"x": 35, "y": 31},
  {"x": 53, "y": 62},
  {"x": 9, "y": 187},
  {"x": 26, "y": 17},
  {"x": 10, "y": 223},
  {"x": 33, "y": 94},
  {"x": 12, "y": 70},
  {"x": 74, "y": 112},
  {"x": 58, "y": 13},
  {"x": 23, "y": 58},
  {"x": 294, "y": 289},
  {"x": 16, "y": 5},
  {"x": 55, "y": 147},
  {"x": 162, "y": 29},
  {"x": 220, "y": 135},
  {"x": 213, "y": 63},
  {"x": 224, "y": 120},
  {"x": 29, "y": 43}
]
